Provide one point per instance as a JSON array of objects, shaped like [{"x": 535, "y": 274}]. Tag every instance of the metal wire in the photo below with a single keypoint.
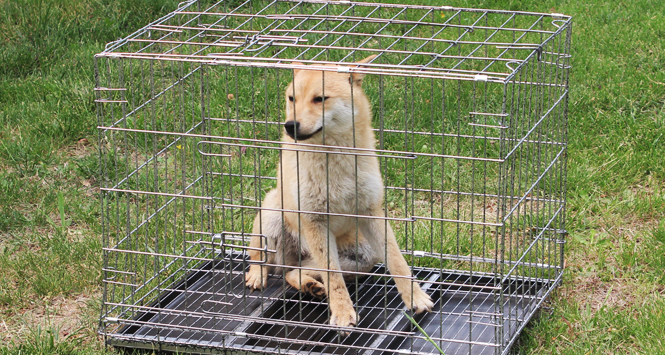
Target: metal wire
[{"x": 470, "y": 116}]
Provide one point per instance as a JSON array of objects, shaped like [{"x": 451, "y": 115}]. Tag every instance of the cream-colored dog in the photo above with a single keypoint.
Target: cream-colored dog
[{"x": 331, "y": 109}]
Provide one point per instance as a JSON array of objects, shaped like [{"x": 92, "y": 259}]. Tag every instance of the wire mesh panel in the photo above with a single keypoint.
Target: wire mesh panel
[{"x": 460, "y": 151}]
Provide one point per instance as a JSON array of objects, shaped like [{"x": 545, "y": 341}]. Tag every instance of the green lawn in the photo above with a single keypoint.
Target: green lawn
[{"x": 613, "y": 296}]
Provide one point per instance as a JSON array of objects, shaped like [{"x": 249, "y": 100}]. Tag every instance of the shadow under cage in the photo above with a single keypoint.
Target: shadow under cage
[{"x": 469, "y": 111}]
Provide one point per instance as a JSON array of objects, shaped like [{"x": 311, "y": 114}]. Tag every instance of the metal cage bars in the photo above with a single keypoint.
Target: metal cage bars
[{"x": 529, "y": 128}]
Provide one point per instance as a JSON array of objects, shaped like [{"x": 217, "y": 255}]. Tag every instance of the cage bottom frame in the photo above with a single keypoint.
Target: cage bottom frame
[{"x": 278, "y": 319}]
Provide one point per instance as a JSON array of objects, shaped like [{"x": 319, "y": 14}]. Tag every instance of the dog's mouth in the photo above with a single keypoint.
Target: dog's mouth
[{"x": 302, "y": 137}]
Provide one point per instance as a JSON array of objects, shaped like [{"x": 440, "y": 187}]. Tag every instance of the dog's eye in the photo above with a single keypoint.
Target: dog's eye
[
  {"x": 291, "y": 98},
  {"x": 319, "y": 99}
]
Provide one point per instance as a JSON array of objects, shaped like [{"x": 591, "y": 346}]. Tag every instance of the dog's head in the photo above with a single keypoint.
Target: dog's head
[{"x": 318, "y": 101}]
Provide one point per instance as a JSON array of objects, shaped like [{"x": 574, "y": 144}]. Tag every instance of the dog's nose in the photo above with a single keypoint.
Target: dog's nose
[{"x": 291, "y": 127}]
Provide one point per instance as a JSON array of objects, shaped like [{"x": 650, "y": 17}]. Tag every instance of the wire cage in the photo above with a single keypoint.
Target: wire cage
[{"x": 469, "y": 111}]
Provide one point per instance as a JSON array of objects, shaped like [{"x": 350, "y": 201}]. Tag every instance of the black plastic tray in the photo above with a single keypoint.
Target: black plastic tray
[{"x": 200, "y": 314}]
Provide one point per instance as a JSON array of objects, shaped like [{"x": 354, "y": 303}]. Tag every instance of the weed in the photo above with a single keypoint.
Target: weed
[{"x": 422, "y": 331}]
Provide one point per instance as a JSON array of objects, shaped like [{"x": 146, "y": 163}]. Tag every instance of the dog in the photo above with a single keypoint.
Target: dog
[{"x": 328, "y": 108}]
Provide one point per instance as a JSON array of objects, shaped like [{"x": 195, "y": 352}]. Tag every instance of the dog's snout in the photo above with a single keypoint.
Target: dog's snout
[{"x": 291, "y": 127}]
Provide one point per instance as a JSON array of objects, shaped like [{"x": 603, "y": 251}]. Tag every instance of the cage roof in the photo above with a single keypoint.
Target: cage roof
[{"x": 408, "y": 40}]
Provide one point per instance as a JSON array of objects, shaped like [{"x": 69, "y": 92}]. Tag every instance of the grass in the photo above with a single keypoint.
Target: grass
[{"x": 613, "y": 296}]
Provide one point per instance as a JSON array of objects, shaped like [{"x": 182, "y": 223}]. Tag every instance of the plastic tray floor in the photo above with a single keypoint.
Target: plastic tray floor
[{"x": 211, "y": 311}]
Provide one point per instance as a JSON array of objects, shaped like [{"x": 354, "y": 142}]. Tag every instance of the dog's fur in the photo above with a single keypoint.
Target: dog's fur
[{"x": 335, "y": 183}]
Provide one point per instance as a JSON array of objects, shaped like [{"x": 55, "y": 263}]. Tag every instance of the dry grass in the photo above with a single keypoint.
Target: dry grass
[{"x": 70, "y": 316}]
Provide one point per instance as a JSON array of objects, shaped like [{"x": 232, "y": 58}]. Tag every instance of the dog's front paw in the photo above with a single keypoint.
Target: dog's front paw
[
  {"x": 420, "y": 302},
  {"x": 256, "y": 278},
  {"x": 343, "y": 316}
]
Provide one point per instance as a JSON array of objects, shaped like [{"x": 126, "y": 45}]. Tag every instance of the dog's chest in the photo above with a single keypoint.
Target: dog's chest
[{"x": 339, "y": 184}]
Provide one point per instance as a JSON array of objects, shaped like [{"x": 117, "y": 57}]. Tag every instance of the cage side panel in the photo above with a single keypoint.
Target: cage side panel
[
  {"x": 534, "y": 168},
  {"x": 154, "y": 190}
]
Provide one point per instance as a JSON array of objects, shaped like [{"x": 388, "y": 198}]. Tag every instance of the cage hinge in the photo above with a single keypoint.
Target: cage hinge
[
  {"x": 344, "y": 2},
  {"x": 240, "y": 334},
  {"x": 185, "y": 3},
  {"x": 447, "y": 8},
  {"x": 480, "y": 77},
  {"x": 112, "y": 320},
  {"x": 112, "y": 43},
  {"x": 218, "y": 237},
  {"x": 558, "y": 16},
  {"x": 217, "y": 62},
  {"x": 343, "y": 69}
]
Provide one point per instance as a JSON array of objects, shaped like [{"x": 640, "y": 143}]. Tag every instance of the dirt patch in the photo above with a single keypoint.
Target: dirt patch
[
  {"x": 81, "y": 149},
  {"x": 591, "y": 291},
  {"x": 66, "y": 316},
  {"x": 600, "y": 278}
]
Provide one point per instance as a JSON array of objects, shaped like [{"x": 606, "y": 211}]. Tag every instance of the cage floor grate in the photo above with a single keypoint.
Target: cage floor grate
[{"x": 210, "y": 310}]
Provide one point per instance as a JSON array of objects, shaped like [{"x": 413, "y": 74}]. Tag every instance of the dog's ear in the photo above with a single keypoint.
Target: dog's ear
[
  {"x": 358, "y": 77},
  {"x": 366, "y": 60},
  {"x": 295, "y": 71}
]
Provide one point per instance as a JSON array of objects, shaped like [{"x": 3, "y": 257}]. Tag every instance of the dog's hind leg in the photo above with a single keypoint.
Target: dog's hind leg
[
  {"x": 356, "y": 256},
  {"x": 307, "y": 281}
]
